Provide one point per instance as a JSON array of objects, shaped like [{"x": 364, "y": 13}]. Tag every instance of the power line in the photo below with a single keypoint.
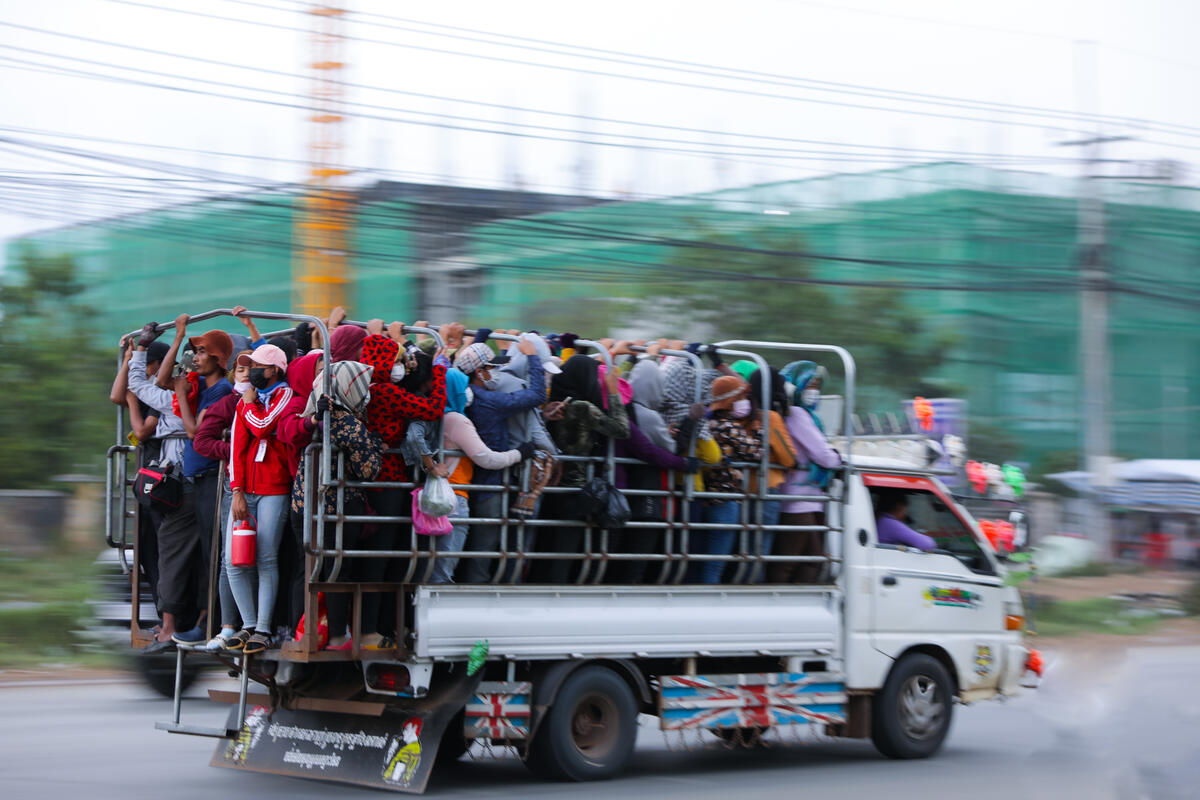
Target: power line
[
  {"x": 733, "y": 149},
  {"x": 926, "y": 152},
  {"x": 706, "y": 70},
  {"x": 600, "y": 73}
]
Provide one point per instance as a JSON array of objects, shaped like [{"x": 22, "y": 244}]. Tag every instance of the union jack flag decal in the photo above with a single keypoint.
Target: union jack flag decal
[
  {"x": 751, "y": 700},
  {"x": 498, "y": 710}
]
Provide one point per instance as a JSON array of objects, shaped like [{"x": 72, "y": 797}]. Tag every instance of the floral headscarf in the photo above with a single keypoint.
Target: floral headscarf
[{"x": 350, "y": 387}]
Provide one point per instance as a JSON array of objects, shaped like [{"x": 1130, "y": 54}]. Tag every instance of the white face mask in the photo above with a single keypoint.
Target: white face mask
[
  {"x": 741, "y": 408},
  {"x": 809, "y": 397},
  {"x": 241, "y": 386},
  {"x": 398, "y": 372}
]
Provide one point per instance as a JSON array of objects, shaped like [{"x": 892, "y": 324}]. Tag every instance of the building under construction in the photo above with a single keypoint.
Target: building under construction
[{"x": 990, "y": 256}]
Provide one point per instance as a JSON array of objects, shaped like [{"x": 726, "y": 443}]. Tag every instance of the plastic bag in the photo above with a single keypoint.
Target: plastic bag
[
  {"x": 437, "y": 498},
  {"x": 427, "y": 524},
  {"x": 604, "y": 503}
]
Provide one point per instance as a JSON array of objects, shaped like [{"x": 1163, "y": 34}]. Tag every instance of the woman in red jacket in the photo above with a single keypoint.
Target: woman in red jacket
[{"x": 261, "y": 481}]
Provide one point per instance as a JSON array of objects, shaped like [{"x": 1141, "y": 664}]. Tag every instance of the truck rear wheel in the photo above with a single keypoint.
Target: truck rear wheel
[
  {"x": 159, "y": 672},
  {"x": 911, "y": 716},
  {"x": 589, "y": 732}
]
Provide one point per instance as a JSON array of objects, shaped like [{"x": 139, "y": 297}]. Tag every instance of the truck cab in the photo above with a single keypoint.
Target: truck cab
[{"x": 951, "y": 602}]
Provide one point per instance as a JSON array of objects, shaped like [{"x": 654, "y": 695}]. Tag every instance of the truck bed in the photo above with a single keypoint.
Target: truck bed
[{"x": 543, "y": 622}]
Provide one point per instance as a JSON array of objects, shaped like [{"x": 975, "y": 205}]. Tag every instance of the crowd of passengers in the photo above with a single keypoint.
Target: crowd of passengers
[{"x": 236, "y": 419}]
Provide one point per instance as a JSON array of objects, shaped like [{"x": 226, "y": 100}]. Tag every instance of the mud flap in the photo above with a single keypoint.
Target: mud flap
[{"x": 393, "y": 751}]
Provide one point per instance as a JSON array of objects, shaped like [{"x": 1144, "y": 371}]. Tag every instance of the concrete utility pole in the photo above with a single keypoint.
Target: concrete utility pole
[{"x": 1094, "y": 356}]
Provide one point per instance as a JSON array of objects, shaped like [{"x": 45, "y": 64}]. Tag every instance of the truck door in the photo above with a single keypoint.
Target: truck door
[{"x": 952, "y": 597}]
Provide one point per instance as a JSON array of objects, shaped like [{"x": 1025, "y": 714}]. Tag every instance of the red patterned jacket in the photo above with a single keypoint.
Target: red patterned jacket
[{"x": 391, "y": 407}]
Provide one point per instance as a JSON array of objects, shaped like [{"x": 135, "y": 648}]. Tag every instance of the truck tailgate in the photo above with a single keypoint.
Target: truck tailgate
[{"x": 535, "y": 622}]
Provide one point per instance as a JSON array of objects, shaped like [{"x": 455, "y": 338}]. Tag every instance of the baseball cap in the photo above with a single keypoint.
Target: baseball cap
[
  {"x": 268, "y": 355},
  {"x": 476, "y": 356},
  {"x": 156, "y": 351}
]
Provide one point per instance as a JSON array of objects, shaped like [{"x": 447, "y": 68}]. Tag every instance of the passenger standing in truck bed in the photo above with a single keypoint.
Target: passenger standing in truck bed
[
  {"x": 814, "y": 459},
  {"x": 261, "y": 482},
  {"x": 490, "y": 410},
  {"x": 580, "y": 419},
  {"x": 782, "y": 452},
  {"x": 737, "y": 444},
  {"x": 184, "y": 538}
]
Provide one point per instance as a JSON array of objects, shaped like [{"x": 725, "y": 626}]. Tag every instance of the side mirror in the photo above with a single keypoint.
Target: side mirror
[{"x": 1020, "y": 524}]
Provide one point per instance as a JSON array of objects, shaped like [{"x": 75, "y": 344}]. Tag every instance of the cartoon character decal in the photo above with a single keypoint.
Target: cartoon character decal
[
  {"x": 985, "y": 660},
  {"x": 252, "y": 730},
  {"x": 404, "y": 754}
]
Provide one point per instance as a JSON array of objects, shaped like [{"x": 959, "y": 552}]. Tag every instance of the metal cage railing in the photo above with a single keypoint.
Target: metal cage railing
[{"x": 668, "y": 558}]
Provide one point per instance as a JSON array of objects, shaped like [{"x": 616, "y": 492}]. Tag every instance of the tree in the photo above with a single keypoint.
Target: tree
[
  {"x": 750, "y": 285},
  {"x": 53, "y": 375}
]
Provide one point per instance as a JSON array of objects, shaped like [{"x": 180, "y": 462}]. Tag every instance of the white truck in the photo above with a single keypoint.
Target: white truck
[{"x": 882, "y": 646}]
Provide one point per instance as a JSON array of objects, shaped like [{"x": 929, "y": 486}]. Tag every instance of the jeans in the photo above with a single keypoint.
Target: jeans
[
  {"x": 771, "y": 510},
  {"x": 713, "y": 541},
  {"x": 452, "y": 542},
  {"x": 228, "y": 612},
  {"x": 486, "y": 538},
  {"x": 269, "y": 512}
]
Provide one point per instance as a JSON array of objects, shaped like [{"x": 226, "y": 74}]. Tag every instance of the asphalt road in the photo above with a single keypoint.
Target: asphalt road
[{"x": 1121, "y": 726}]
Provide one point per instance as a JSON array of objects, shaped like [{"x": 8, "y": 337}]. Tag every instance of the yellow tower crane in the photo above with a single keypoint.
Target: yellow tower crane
[{"x": 324, "y": 214}]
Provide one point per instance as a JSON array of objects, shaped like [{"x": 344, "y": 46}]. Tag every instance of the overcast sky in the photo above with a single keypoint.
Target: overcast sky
[{"x": 836, "y": 70}]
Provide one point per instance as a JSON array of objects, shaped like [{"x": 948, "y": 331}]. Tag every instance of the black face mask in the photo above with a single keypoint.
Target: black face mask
[{"x": 258, "y": 378}]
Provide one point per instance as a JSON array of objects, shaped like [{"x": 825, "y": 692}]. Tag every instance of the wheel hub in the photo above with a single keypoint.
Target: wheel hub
[
  {"x": 922, "y": 707},
  {"x": 594, "y": 725}
]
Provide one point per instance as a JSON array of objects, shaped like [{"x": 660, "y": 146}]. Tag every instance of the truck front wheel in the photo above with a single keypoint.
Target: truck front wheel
[
  {"x": 590, "y": 730},
  {"x": 911, "y": 715}
]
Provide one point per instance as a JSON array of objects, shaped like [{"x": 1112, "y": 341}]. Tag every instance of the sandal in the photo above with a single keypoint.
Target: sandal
[
  {"x": 257, "y": 643},
  {"x": 237, "y": 641},
  {"x": 384, "y": 643}
]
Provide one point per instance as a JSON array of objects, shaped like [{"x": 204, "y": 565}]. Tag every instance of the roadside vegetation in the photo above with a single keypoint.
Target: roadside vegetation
[{"x": 43, "y": 606}]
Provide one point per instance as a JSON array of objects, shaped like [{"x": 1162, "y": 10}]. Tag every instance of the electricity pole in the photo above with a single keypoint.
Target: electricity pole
[{"x": 1094, "y": 356}]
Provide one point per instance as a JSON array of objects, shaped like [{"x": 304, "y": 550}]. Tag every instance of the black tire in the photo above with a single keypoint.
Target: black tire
[
  {"x": 911, "y": 716},
  {"x": 159, "y": 673},
  {"x": 589, "y": 732}
]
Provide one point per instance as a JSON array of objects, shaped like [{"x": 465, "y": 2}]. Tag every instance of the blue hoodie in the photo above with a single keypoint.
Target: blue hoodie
[{"x": 456, "y": 390}]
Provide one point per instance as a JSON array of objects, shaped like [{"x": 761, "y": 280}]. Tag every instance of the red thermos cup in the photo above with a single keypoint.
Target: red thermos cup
[{"x": 243, "y": 551}]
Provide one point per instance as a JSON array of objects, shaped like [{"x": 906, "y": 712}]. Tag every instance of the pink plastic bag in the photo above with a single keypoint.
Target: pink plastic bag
[{"x": 425, "y": 524}]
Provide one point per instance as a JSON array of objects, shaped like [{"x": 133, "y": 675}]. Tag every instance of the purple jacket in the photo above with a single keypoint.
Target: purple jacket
[
  {"x": 811, "y": 448},
  {"x": 889, "y": 530},
  {"x": 639, "y": 447}
]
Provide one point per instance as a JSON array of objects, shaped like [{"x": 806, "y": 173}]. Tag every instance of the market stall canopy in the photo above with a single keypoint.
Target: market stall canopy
[{"x": 1159, "y": 483}]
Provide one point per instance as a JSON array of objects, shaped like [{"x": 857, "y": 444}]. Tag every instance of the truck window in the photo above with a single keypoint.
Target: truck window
[{"x": 932, "y": 517}]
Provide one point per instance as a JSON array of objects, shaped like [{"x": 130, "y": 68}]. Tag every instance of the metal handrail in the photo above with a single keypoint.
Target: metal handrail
[{"x": 327, "y": 472}]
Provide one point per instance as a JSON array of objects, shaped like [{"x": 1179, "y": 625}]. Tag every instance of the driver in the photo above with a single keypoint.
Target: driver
[{"x": 890, "y": 510}]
